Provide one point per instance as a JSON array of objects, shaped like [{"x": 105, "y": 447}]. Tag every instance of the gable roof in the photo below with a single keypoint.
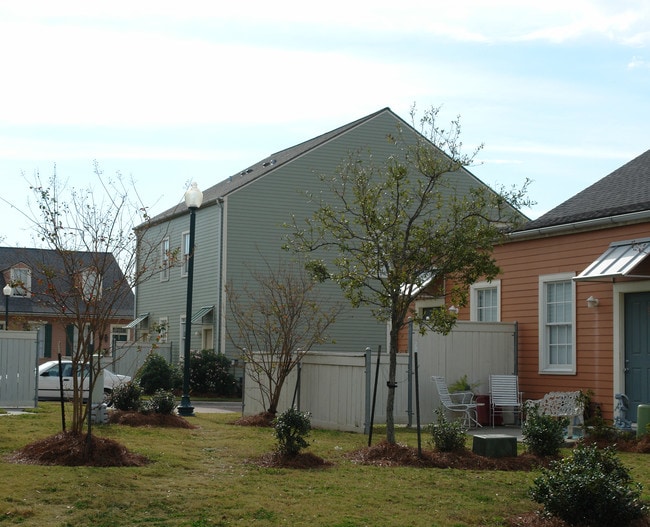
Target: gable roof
[
  {"x": 40, "y": 261},
  {"x": 624, "y": 191},
  {"x": 271, "y": 163}
]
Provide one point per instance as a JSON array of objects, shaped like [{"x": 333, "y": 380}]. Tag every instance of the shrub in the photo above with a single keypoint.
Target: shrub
[
  {"x": 591, "y": 487},
  {"x": 126, "y": 396},
  {"x": 161, "y": 402},
  {"x": 543, "y": 434},
  {"x": 291, "y": 429},
  {"x": 446, "y": 436},
  {"x": 209, "y": 373},
  {"x": 157, "y": 374}
]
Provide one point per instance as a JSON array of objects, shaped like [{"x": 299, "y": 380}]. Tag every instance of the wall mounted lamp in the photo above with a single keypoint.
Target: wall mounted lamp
[
  {"x": 454, "y": 310},
  {"x": 592, "y": 302}
]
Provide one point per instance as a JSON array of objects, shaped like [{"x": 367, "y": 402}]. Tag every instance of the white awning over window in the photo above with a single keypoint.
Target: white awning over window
[
  {"x": 621, "y": 259},
  {"x": 137, "y": 321}
]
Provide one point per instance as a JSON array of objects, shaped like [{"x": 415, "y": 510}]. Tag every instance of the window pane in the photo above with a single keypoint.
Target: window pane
[
  {"x": 559, "y": 328},
  {"x": 486, "y": 309}
]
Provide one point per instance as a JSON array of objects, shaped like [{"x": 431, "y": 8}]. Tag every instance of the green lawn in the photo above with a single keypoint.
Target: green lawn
[{"x": 208, "y": 477}]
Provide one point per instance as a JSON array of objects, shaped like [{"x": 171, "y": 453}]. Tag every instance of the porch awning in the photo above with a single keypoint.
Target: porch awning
[
  {"x": 426, "y": 278},
  {"x": 204, "y": 311},
  {"x": 621, "y": 259},
  {"x": 137, "y": 321}
]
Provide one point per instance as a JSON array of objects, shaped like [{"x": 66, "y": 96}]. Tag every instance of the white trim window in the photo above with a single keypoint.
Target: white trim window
[
  {"x": 163, "y": 329},
  {"x": 164, "y": 260},
  {"x": 21, "y": 281},
  {"x": 485, "y": 301},
  {"x": 557, "y": 323},
  {"x": 186, "y": 252}
]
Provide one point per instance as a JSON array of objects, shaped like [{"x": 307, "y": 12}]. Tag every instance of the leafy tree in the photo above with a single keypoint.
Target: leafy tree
[
  {"x": 278, "y": 319},
  {"x": 393, "y": 224},
  {"x": 91, "y": 233}
]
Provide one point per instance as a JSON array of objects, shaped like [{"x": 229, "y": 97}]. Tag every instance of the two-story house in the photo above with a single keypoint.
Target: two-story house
[
  {"x": 39, "y": 285},
  {"x": 240, "y": 228}
]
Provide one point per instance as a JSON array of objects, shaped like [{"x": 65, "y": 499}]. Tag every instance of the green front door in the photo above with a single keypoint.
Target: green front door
[{"x": 637, "y": 350}]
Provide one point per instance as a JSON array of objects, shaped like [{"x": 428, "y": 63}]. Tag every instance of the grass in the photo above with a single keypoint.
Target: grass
[{"x": 207, "y": 477}]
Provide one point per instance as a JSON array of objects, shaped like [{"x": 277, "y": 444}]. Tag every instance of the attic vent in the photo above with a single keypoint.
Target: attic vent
[
  {"x": 247, "y": 171},
  {"x": 269, "y": 163}
]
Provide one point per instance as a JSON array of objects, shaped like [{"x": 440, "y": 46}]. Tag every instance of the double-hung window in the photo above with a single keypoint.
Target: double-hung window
[
  {"x": 21, "y": 281},
  {"x": 164, "y": 260},
  {"x": 186, "y": 253},
  {"x": 485, "y": 301},
  {"x": 557, "y": 324}
]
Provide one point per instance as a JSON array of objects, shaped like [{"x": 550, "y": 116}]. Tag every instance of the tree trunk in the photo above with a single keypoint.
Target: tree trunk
[{"x": 392, "y": 375}]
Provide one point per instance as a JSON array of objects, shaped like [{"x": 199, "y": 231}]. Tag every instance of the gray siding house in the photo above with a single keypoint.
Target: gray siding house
[{"x": 240, "y": 227}]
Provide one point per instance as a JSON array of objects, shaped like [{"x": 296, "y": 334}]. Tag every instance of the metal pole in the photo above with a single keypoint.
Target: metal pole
[
  {"x": 417, "y": 405},
  {"x": 186, "y": 409},
  {"x": 6, "y": 312},
  {"x": 374, "y": 398},
  {"x": 409, "y": 410}
]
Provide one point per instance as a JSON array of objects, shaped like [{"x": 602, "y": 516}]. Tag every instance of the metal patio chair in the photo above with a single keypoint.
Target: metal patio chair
[
  {"x": 505, "y": 396},
  {"x": 458, "y": 402}
]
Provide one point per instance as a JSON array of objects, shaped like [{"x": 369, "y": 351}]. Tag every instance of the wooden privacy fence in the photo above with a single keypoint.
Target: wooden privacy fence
[
  {"x": 337, "y": 388},
  {"x": 18, "y": 367}
]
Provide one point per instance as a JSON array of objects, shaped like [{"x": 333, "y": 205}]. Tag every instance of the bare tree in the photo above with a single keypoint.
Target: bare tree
[
  {"x": 90, "y": 265},
  {"x": 394, "y": 224},
  {"x": 278, "y": 319}
]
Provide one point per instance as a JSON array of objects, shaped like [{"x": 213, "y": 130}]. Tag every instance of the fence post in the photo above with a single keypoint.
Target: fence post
[
  {"x": 409, "y": 374},
  {"x": 367, "y": 357}
]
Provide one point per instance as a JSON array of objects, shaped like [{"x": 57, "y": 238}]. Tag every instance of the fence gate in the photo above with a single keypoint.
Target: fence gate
[{"x": 18, "y": 367}]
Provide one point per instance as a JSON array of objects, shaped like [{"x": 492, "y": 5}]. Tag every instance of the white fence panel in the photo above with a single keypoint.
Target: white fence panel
[
  {"x": 337, "y": 388},
  {"x": 18, "y": 366},
  {"x": 128, "y": 357}
]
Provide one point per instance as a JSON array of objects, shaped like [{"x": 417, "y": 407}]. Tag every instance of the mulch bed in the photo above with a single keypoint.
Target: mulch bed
[
  {"x": 264, "y": 420},
  {"x": 69, "y": 449},
  {"x": 302, "y": 460},
  {"x": 388, "y": 455},
  {"x": 120, "y": 417}
]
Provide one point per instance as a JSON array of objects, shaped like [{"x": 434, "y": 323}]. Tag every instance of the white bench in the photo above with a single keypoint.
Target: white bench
[{"x": 560, "y": 404}]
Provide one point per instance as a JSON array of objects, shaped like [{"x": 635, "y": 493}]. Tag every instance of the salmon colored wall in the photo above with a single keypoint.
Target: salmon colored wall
[{"x": 521, "y": 263}]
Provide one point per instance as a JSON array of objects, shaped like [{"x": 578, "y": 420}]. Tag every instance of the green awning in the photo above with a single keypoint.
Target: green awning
[
  {"x": 203, "y": 312},
  {"x": 137, "y": 321}
]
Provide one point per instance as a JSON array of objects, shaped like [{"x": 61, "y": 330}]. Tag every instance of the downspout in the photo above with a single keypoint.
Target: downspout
[{"x": 220, "y": 201}]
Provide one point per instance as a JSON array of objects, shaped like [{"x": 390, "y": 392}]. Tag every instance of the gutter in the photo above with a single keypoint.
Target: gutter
[{"x": 579, "y": 226}]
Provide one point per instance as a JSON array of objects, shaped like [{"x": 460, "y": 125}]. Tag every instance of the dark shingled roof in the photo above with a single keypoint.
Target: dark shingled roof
[{"x": 624, "y": 191}]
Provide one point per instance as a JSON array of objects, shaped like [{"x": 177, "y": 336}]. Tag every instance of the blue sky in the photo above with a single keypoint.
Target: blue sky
[{"x": 558, "y": 92}]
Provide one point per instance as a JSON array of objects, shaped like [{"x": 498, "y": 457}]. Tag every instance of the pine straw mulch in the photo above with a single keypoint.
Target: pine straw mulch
[
  {"x": 391, "y": 455},
  {"x": 69, "y": 449},
  {"x": 120, "y": 417},
  {"x": 263, "y": 420},
  {"x": 72, "y": 450}
]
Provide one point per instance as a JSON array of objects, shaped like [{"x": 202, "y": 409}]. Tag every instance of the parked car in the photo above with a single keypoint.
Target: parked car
[{"x": 49, "y": 385}]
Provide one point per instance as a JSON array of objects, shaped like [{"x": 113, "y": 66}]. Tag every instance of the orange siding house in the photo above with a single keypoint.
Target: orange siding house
[{"x": 577, "y": 281}]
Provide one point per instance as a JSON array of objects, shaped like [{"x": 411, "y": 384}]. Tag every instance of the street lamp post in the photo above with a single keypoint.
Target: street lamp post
[
  {"x": 193, "y": 200},
  {"x": 7, "y": 290}
]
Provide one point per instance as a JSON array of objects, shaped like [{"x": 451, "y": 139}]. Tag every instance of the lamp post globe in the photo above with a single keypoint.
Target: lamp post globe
[
  {"x": 193, "y": 200},
  {"x": 7, "y": 291}
]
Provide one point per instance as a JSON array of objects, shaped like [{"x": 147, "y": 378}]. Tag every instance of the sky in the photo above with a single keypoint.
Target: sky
[{"x": 167, "y": 93}]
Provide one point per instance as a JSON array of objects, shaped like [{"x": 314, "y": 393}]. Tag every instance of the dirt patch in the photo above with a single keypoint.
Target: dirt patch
[
  {"x": 386, "y": 454},
  {"x": 120, "y": 417},
  {"x": 69, "y": 449}
]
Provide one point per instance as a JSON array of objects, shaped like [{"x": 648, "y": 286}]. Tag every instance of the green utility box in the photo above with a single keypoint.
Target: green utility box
[{"x": 495, "y": 445}]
